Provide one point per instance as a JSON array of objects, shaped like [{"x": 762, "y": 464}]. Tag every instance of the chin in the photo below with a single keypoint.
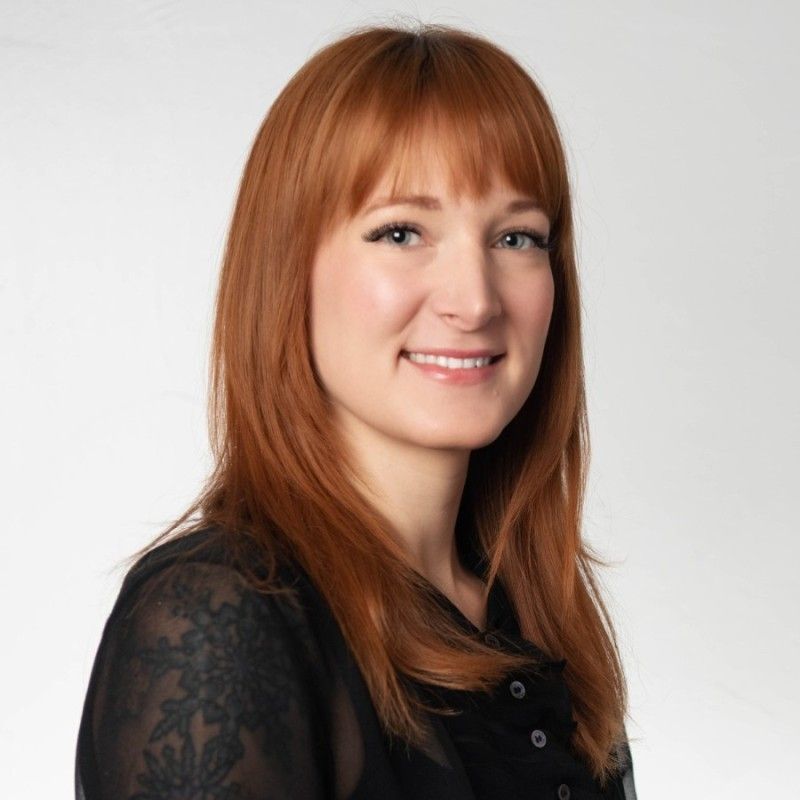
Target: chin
[{"x": 454, "y": 437}]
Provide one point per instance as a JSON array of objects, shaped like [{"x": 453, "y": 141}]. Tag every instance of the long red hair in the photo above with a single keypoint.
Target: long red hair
[{"x": 360, "y": 109}]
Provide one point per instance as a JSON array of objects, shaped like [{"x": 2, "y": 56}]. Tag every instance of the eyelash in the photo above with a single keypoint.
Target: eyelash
[{"x": 539, "y": 242}]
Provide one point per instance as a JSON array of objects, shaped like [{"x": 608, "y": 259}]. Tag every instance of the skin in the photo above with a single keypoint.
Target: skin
[{"x": 459, "y": 282}]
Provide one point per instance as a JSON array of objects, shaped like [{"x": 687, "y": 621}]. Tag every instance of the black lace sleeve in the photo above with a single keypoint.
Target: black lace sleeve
[{"x": 202, "y": 688}]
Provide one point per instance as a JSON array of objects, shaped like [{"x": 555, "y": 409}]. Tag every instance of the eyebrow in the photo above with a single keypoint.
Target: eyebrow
[{"x": 433, "y": 204}]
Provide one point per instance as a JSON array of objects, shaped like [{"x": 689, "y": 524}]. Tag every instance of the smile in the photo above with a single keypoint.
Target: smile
[
  {"x": 449, "y": 363},
  {"x": 449, "y": 370}
]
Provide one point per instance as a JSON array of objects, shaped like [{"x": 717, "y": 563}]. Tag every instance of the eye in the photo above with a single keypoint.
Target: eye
[
  {"x": 381, "y": 232},
  {"x": 539, "y": 241}
]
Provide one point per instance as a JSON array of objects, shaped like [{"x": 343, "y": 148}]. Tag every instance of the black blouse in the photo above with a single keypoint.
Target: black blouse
[{"x": 207, "y": 689}]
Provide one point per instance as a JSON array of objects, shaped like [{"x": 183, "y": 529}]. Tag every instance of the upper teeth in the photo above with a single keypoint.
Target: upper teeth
[{"x": 450, "y": 363}]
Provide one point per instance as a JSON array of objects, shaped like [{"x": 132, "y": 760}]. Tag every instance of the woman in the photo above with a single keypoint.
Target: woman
[{"x": 382, "y": 591}]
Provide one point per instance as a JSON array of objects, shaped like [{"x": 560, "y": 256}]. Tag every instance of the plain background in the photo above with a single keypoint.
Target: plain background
[{"x": 125, "y": 126}]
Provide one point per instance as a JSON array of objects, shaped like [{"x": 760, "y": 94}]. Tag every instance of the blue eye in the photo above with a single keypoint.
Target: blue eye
[{"x": 538, "y": 240}]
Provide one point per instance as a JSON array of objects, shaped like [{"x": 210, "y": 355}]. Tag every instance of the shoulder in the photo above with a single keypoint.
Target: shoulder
[
  {"x": 196, "y": 659},
  {"x": 189, "y": 592},
  {"x": 203, "y": 559},
  {"x": 208, "y": 547},
  {"x": 185, "y": 615}
]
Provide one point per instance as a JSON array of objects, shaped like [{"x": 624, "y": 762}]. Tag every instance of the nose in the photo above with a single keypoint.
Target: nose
[{"x": 466, "y": 292}]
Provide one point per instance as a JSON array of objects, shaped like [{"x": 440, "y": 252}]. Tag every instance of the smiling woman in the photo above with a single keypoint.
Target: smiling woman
[{"x": 389, "y": 549}]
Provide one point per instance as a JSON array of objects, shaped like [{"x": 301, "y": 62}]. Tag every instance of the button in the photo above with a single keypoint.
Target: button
[
  {"x": 563, "y": 792},
  {"x": 491, "y": 640},
  {"x": 540, "y": 740},
  {"x": 517, "y": 688}
]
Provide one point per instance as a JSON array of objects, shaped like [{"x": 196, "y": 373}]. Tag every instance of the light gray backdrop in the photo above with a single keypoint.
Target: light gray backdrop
[{"x": 125, "y": 126}]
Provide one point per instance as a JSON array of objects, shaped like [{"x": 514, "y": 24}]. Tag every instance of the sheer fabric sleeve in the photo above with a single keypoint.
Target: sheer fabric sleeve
[{"x": 204, "y": 690}]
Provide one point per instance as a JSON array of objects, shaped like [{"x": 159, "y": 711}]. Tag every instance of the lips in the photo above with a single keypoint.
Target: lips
[{"x": 475, "y": 370}]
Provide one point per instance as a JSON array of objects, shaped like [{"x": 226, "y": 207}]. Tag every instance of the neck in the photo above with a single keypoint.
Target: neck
[{"x": 418, "y": 489}]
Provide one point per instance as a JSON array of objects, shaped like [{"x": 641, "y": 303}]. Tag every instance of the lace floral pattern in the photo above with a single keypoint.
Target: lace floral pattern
[
  {"x": 198, "y": 675},
  {"x": 231, "y": 677}
]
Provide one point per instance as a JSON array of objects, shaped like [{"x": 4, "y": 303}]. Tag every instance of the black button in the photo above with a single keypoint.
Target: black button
[
  {"x": 563, "y": 792},
  {"x": 539, "y": 738},
  {"x": 491, "y": 640},
  {"x": 517, "y": 689}
]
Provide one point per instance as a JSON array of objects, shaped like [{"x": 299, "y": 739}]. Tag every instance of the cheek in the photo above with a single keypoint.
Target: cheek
[
  {"x": 383, "y": 302},
  {"x": 531, "y": 307},
  {"x": 357, "y": 308}
]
